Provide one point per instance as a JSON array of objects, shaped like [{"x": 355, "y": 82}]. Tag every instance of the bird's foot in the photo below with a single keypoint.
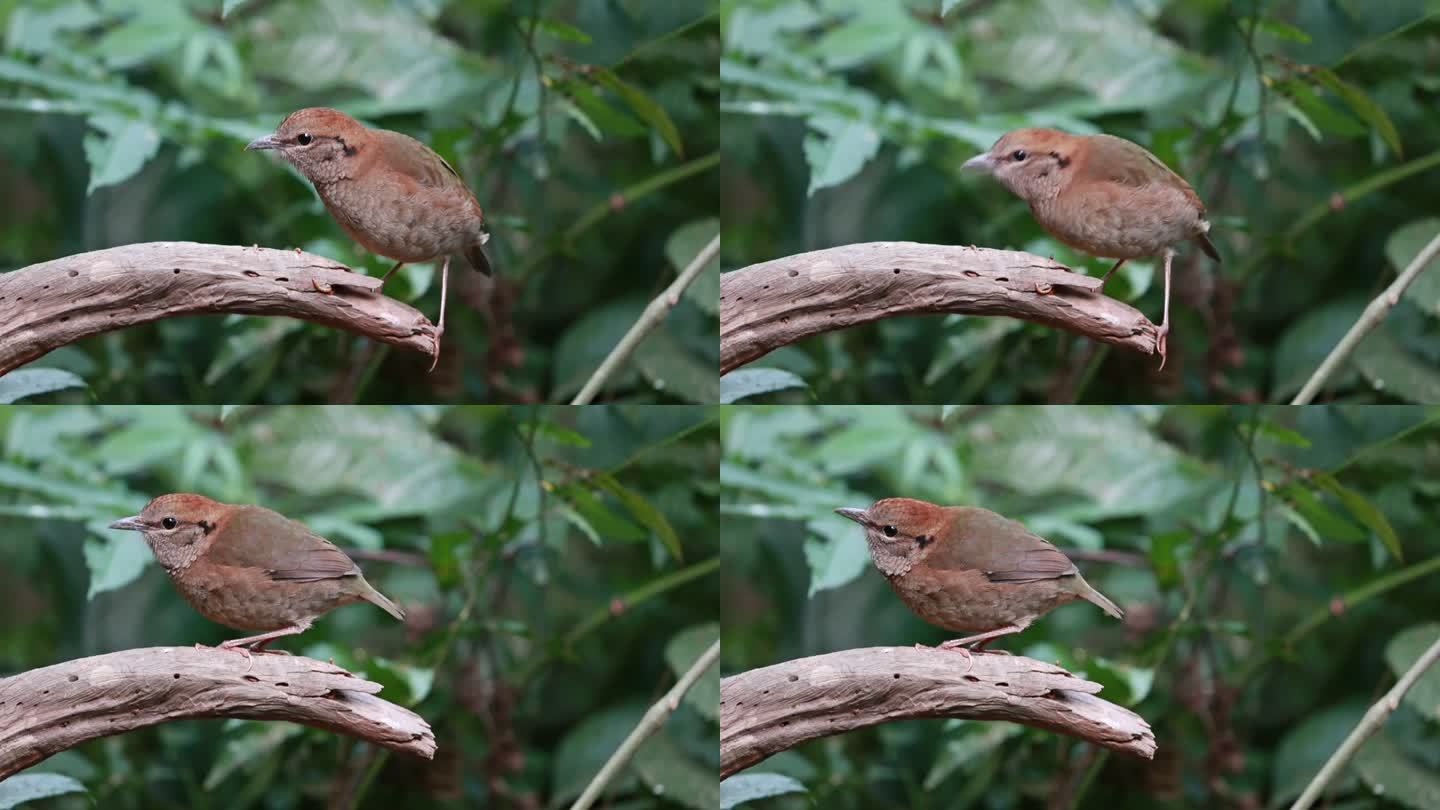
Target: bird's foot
[
  {"x": 1161, "y": 333},
  {"x": 435, "y": 356}
]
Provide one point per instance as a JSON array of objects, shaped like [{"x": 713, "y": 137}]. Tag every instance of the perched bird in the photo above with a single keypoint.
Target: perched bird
[
  {"x": 390, "y": 192},
  {"x": 1101, "y": 195},
  {"x": 250, "y": 568},
  {"x": 968, "y": 569}
]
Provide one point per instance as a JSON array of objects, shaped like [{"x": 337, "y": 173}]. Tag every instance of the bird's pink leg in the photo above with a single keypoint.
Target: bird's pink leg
[
  {"x": 1164, "y": 331},
  {"x": 257, "y": 644},
  {"x": 389, "y": 273},
  {"x": 440, "y": 327},
  {"x": 979, "y": 641},
  {"x": 1110, "y": 273}
]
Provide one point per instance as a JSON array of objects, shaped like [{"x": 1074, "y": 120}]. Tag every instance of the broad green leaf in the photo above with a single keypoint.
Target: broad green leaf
[
  {"x": 1309, "y": 339},
  {"x": 1387, "y": 769},
  {"x": 835, "y": 551},
  {"x": 1320, "y": 518},
  {"x": 30, "y": 382},
  {"x": 121, "y": 148},
  {"x": 684, "y": 244},
  {"x": 114, "y": 561},
  {"x": 1363, "y": 106},
  {"x": 671, "y": 773},
  {"x": 837, "y": 149},
  {"x": 749, "y": 786},
  {"x": 749, "y": 382},
  {"x": 1306, "y": 746},
  {"x": 947, "y": 5},
  {"x": 1392, "y": 368},
  {"x": 681, "y": 653},
  {"x": 586, "y": 746},
  {"x": 228, "y": 6},
  {"x": 585, "y": 344},
  {"x": 403, "y": 683},
  {"x": 672, "y": 368},
  {"x": 27, "y": 787},
  {"x": 1402, "y": 652},
  {"x": 644, "y": 512}
]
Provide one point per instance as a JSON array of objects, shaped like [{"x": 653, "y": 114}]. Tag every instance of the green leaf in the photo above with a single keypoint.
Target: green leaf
[
  {"x": 251, "y": 741},
  {"x": 835, "y": 552},
  {"x": 1402, "y": 247},
  {"x": 973, "y": 740},
  {"x": 1402, "y": 652},
  {"x": 749, "y": 786},
  {"x": 645, "y": 107},
  {"x": 29, "y": 382},
  {"x": 1276, "y": 28},
  {"x": 749, "y": 382},
  {"x": 641, "y": 509},
  {"x": 403, "y": 683},
  {"x": 1319, "y": 517},
  {"x": 682, "y": 652},
  {"x": 1363, "y": 511},
  {"x": 558, "y": 29},
  {"x": 119, "y": 151},
  {"x": 115, "y": 561},
  {"x": 584, "y": 345},
  {"x": 598, "y": 516},
  {"x": 228, "y": 6},
  {"x": 1363, "y": 107},
  {"x": 26, "y": 787},
  {"x": 1387, "y": 769},
  {"x": 586, "y": 747},
  {"x": 672, "y": 368},
  {"x": 671, "y": 773},
  {"x": 946, "y": 6},
  {"x": 837, "y": 150},
  {"x": 1392, "y": 368},
  {"x": 1306, "y": 746},
  {"x": 1308, "y": 340}
]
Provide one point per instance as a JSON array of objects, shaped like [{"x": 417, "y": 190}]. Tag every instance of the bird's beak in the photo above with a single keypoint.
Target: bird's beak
[
  {"x": 266, "y": 142},
  {"x": 857, "y": 515},
  {"x": 980, "y": 163},
  {"x": 133, "y": 523}
]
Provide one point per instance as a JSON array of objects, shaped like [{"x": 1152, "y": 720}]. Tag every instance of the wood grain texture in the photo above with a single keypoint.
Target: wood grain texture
[
  {"x": 44, "y": 711},
  {"x": 768, "y": 710},
  {"x": 51, "y": 304},
  {"x": 772, "y": 304}
]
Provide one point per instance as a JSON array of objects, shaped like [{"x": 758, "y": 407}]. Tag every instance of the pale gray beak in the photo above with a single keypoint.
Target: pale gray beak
[
  {"x": 267, "y": 142},
  {"x": 981, "y": 162},
  {"x": 133, "y": 523},
  {"x": 857, "y": 515}
]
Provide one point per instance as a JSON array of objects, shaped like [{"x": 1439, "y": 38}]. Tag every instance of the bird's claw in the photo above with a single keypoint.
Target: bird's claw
[{"x": 1161, "y": 333}]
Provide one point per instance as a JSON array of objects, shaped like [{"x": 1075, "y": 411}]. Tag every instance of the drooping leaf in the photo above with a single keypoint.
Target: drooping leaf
[{"x": 30, "y": 382}]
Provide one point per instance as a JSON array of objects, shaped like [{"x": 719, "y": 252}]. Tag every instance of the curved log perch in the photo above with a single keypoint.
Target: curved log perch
[
  {"x": 768, "y": 710},
  {"x": 772, "y": 304},
  {"x": 48, "y": 305},
  {"x": 44, "y": 711}
]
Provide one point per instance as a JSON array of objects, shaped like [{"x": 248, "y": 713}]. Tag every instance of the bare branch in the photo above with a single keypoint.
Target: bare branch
[
  {"x": 769, "y": 305},
  {"x": 1374, "y": 313},
  {"x": 1374, "y": 718},
  {"x": 44, "y": 711},
  {"x": 650, "y": 723},
  {"x": 48, "y": 305},
  {"x": 768, "y": 710},
  {"x": 654, "y": 313}
]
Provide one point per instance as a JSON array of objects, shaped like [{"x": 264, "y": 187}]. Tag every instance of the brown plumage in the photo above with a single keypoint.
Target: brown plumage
[
  {"x": 391, "y": 193},
  {"x": 248, "y": 567},
  {"x": 1101, "y": 195},
  {"x": 968, "y": 569}
]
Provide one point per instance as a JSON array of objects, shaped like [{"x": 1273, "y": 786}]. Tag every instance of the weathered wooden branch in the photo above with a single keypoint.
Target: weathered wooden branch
[
  {"x": 47, "y": 710},
  {"x": 768, "y": 710},
  {"x": 772, "y": 304},
  {"x": 48, "y": 305}
]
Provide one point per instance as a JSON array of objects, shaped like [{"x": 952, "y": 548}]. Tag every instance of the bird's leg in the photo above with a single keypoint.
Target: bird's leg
[
  {"x": 1109, "y": 273},
  {"x": 257, "y": 644},
  {"x": 440, "y": 327},
  {"x": 389, "y": 273},
  {"x": 1164, "y": 330},
  {"x": 979, "y": 641}
]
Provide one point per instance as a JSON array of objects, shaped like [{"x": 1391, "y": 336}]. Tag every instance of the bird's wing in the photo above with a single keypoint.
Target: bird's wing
[
  {"x": 1117, "y": 160},
  {"x": 1000, "y": 548},
  {"x": 283, "y": 548},
  {"x": 413, "y": 159}
]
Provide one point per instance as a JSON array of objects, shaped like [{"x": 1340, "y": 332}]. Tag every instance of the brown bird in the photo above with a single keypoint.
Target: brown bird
[
  {"x": 1101, "y": 195},
  {"x": 249, "y": 568},
  {"x": 968, "y": 569},
  {"x": 390, "y": 192}
]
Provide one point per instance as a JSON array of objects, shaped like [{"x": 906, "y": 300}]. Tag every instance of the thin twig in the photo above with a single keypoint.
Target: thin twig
[
  {"x": 1369, "y": 724},
  {"x": 654, "y": 718},
  {"x": 654, "y": 313},
  {"x": 1374, "y": 313}
]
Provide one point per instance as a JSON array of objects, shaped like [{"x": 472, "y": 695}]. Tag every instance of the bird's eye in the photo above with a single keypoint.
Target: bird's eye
[
  {"x": 303, "y": 139},
  {"x": 889, "y": 531},
  {"x": 1018, "y": 155},
  {"x": 169, "y": 522}
]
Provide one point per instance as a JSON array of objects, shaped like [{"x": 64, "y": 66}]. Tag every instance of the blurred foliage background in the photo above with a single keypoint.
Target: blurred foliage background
[
  {"x": 1278, "y": 567},
  {"x": 1308, "y": 127},
  {"x": 557, "y": 565},
  {"x": 588, "y": 130}
]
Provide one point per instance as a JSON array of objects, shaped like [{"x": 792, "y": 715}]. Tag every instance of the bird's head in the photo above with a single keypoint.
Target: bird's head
[
  {"x": 898, "y": 531},
  {"x": 173, "y": 526},
  {"x": 1033, "y": 163},
  {"x": 322, "y": 143}
]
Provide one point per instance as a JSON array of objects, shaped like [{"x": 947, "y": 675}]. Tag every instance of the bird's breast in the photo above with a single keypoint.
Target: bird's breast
[
  {"x": 1120, "y": 222},
  {"x": 403, "y": 221}
]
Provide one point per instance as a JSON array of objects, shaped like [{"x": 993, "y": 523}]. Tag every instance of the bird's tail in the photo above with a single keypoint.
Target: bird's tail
[
  {"x": 475, "y": 253},
  {"x": 369, "y": 594},
  {"x": 1089, "y": 594}
]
